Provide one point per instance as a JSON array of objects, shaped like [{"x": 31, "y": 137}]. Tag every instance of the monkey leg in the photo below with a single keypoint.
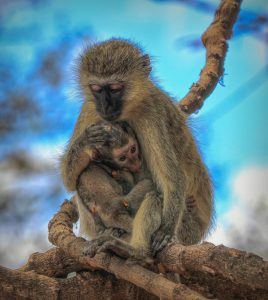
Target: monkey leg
[
  {"x": 145, "y": 223},
  {"x": 93, "y": 246},
  {"x": 189, "y": 231},
  {"x": 125, "y": 250},
  {"x": 107, "y": 236},
  {"x": 192, "y": 228}
]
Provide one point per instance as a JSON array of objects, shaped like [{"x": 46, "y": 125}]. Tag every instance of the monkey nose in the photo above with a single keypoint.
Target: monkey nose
[{"x": 137, "y": 167}]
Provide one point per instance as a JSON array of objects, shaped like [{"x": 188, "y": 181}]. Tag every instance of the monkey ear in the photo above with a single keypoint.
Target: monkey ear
[{"x": 146, "y": 64}]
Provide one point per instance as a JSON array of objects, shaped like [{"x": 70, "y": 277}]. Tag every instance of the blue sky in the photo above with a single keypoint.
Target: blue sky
[{"x": 231, "y": 127}]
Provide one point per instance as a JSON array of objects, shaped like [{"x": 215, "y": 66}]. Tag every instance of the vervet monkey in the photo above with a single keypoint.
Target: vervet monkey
[{"x": 114, "y": 77}]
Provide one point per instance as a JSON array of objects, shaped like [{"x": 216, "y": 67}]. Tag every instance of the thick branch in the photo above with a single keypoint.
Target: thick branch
[
  {"x": 28, "y": 285},
  {"x": 61, "y": 234},
  {"x": 212, "y": 267},
  {"x": 53, "y": 263},
  {"x": 85, "y": 285},
  {"x": 228, "y": 273},
  {"x": 215, "y": 40}
]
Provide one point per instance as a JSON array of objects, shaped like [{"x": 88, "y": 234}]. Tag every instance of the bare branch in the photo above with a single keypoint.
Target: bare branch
[
  {"x": 28, "y": 285},
  {"x": 85, "y": 285},
  {"x": 215, "y": 41},
  {"x": 209, "y": 266},
  {"x": 61, "y": 235},
  {"x": 228, "y": 273}
]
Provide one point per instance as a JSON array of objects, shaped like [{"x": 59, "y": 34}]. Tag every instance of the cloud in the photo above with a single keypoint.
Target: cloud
[
  {"x": 15, "y": 247},
  {"x": 245, "y": 225}
]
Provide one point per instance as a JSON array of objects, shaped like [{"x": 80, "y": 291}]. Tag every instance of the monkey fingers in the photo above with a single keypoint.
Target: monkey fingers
[
  {"x": 97, "y": 135},
  {"x": 190, "y": 204},
  {"x": 161, "y": 238},
  {"x": 117, "y": 232},
  {"x": 99, "y": 130},
  {"x": 161, "y": 244}
]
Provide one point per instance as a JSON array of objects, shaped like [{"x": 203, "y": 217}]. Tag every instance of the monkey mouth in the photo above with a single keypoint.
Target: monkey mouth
[
  {"x": 111, "y": 116},
  {"x": 136, "y": 168}
]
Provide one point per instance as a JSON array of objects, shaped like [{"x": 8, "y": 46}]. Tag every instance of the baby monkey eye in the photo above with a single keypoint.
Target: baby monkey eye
[
  {"x": 95, "y": 88},
  {"x": 133, "y": 149},
  {"x": 115, "y": 87},
  {"x": 122, "y": 158}
]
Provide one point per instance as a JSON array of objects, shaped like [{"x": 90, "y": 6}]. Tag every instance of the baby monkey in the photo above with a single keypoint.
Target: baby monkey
[{"x": 113, "y": 186}]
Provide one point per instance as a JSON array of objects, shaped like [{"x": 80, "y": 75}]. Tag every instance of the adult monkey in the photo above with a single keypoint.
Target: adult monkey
[{"x": 114, "y": 76}]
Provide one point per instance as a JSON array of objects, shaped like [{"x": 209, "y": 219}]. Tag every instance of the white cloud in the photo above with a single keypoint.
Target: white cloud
[
  {"x": 15, "y": 248},
  {"x": 245, "y": 225}
]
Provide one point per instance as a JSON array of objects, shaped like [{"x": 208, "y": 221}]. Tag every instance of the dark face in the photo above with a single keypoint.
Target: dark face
[{"x": 108, "y": 99}]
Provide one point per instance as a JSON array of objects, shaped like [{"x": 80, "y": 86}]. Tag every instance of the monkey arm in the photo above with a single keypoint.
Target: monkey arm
[
  {"x": 138, "y": 193},
  {"x": 86, "y": 118},
  {"x": 81, "y": 152}
]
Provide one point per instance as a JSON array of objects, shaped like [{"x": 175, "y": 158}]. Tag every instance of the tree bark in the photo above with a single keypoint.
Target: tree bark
[
  {"x": 85, "y": 285},
  {"x": 227, "y": 273},
  {"x": 61, "y": 235},
  {"x": 205, "y": 268},
  {"x": 215, "y": 41}
]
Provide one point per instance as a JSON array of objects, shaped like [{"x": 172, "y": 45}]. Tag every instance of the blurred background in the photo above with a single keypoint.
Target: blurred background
[{"x": 39, "y": 41}]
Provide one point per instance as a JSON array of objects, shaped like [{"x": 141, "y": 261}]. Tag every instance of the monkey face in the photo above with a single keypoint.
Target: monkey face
[
  {"x": 108, "y": 99},
  {"x": 127, "y": 157}
]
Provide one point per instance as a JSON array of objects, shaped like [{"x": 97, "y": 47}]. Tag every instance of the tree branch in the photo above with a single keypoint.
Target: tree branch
[
  {"x": 85, "y": 285},
  {"x": 215, "y": 41},
  {"x": 208, "y": 266},
  {"x": 228, "y": 273},
  {"x": 61, "y": 235}
]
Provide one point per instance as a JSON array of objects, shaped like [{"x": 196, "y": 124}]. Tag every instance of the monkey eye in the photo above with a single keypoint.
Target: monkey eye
[
  {"x": 95, "y": 88},
  {"x": 116, "y": 87},
  {"x": 133, "y": 149},
  {"x": 122, "y": 158}
]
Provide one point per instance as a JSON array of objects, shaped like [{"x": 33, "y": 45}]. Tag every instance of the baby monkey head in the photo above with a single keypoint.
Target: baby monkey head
[
  {"x": 121, "y": 151},
  {"x": 107, "y": 71}
]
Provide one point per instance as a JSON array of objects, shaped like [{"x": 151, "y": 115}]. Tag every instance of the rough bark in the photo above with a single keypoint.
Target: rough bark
[
  {"x": 26, "y": 285},
  {"x": 205, "y": 268},
  {"x": 227, "y": 273},
  {"x": 215, "y": 41},
  {"x": 85, "y": 285},
  {"x": 61, "y": 235}
]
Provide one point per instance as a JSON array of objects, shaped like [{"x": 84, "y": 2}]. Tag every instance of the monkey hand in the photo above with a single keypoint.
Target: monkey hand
[
  {"x": 116, "y": 232},
  {"x": 125, "y": 250},
  {"x": 162, "y": 237},
  {"x": 94, "y": 137},
  {"x": 92, "y": 247}
]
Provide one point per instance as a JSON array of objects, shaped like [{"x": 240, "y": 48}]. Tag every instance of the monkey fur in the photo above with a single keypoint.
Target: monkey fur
[
  {"x": 109, "y": 194},
  {"x": 114, "y": 76}
]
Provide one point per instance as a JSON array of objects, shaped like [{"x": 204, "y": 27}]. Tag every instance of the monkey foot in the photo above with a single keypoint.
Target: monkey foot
[
  {"x": 91, "y": 248},
  {"x": 124, "y": 250}
]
